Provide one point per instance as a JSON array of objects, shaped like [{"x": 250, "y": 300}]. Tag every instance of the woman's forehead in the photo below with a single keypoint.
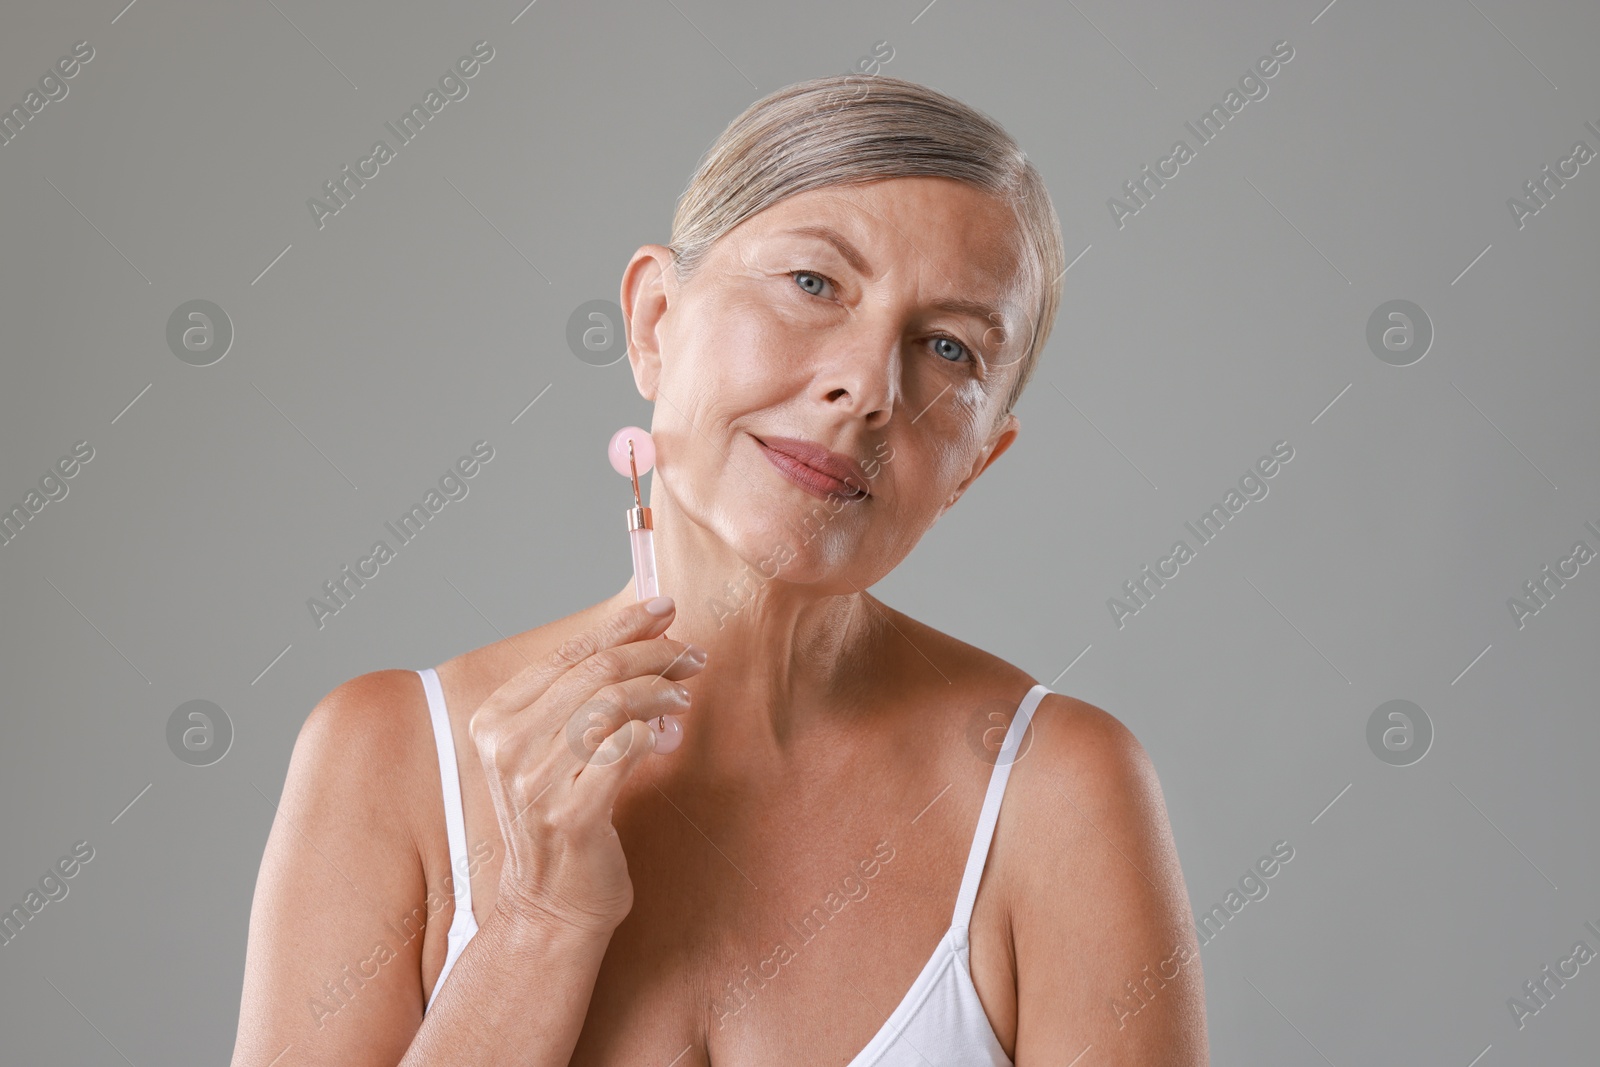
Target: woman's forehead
[
  {"x": 967, "y": 238},
  {"x": 921, "y": 210}
]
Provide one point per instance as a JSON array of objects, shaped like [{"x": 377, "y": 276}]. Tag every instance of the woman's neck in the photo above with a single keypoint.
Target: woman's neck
[{"x": 782, "y": 654}]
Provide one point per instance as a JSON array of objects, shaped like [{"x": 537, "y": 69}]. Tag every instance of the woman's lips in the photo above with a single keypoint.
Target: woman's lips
[{"x": 813, "y": 481}]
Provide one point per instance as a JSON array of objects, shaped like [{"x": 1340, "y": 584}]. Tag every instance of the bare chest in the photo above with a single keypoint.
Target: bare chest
[{"x": 779, "y": 929}]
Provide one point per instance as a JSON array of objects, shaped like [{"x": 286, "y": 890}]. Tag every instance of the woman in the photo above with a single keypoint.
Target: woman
[{"x": 861, "y": 277}]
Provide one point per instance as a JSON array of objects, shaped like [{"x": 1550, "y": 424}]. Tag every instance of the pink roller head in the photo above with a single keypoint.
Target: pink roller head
[
  {"x": 668, "y": 730},
  {"x": 644, "y": 450}
]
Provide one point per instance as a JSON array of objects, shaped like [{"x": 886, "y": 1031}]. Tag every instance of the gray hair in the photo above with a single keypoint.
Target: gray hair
[{"x": 850, "y": 129}]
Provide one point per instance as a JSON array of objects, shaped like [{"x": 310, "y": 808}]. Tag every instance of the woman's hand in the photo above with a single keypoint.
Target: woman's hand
[{"x": 558, "y": 741}]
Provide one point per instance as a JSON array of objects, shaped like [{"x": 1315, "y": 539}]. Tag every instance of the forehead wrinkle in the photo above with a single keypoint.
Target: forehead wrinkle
[
  {"x": 752, "y": 254},
  {"x": 903, "y": 236},
  {"x": 960, "y": 306}
]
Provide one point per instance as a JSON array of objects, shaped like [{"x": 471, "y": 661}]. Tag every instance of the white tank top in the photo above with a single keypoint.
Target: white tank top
[{"x": 939, "y": 1021}]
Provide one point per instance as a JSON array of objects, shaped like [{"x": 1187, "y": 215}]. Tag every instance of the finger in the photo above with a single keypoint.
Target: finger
[
  {"x": 604, "y": 678},
  {"x": 633, "y": 623},
  {"x": 610, "y": 710},
  {"x": 555, "y": 756},
  {"x": 595, "y": 792},
  {"x": 659, "y": 662}
]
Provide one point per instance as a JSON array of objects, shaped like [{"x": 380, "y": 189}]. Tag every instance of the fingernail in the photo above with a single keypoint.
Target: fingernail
[
  {"x": 661, "y": 605},
  {"x": 695, "y": 654}
]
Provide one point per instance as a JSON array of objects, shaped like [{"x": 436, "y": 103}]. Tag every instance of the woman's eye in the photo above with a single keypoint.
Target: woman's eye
[
  {"x": 816, "y": 280},
  {"x": 960, "y": 349}
]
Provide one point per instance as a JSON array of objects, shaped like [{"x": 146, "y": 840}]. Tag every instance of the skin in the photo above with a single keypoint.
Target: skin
[{"x": 824, "y": 723}]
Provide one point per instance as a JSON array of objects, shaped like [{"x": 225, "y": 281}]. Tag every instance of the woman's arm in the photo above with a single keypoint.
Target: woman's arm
[
  {"x": 332, "y": 973},
  {"x": 487, "y": 1013},
  {"x": 332, "y": 969},
  {"x": 1105, "y": 944}
]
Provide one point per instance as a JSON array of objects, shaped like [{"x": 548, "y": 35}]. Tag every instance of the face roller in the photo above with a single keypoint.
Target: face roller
[{"x": 633, "y": 453}]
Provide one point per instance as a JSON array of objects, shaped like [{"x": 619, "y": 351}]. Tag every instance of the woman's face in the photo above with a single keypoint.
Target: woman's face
[{"x": 855, "y": 344}]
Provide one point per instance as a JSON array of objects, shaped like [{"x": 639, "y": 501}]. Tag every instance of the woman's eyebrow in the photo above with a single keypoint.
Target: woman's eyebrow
[
  {"x": 975, "y": 309},
  {"x": 838, "y": 241}
]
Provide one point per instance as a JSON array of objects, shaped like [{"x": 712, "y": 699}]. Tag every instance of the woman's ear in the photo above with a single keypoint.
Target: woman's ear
[{"x": 648, "y": 284}]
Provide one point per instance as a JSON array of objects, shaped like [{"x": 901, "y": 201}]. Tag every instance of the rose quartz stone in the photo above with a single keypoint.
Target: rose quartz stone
[
  {"x": 644, "y": 450},
  {"x": 669, "y": 732}
]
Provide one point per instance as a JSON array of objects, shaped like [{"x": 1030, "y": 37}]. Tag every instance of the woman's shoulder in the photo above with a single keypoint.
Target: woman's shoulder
[
  {"x": 340, "y": 860},
  {"x": 1083, "y": 811},
  {"x": 365, "y": 749},
  {"x": 1068, "y": 739},
  {"x": 371, "y": 716},
  {"x": 1090, "y": 879},
  {"x": 992, "y": 691}
]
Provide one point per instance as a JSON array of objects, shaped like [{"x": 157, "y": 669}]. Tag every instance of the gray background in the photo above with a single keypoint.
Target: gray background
[{"x": 1229, "y": 314}]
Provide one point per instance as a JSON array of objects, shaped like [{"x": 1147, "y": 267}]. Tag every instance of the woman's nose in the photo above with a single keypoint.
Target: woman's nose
[{"x": 863, "y": 373}]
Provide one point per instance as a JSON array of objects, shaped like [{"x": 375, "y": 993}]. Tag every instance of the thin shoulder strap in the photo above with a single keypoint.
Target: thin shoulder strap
[
  {"x": 455, "y": 823},
  {"x": 990, "y": 813}
]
